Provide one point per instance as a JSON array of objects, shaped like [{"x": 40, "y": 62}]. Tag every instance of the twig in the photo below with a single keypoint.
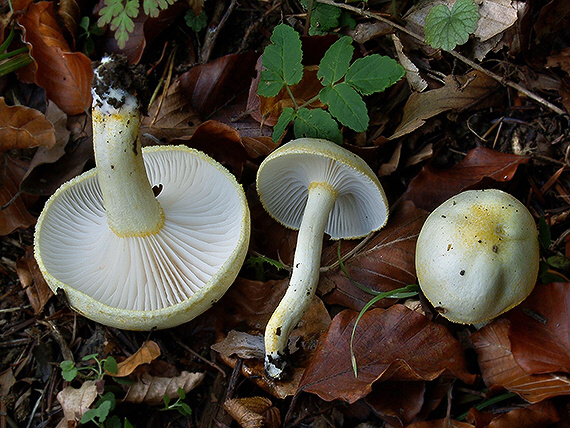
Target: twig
[
  {"x": 197, "y": 355},
  {"x": 214, "y": 29},
  {"x": 456, "y": 55}
]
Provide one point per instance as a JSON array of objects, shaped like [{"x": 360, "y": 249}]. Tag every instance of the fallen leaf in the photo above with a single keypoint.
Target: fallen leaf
[
  {"x": 253, "y": 412},
  {"x": 22, "y": 128},
  {"x": 385, "y": 263},
  {"x": 385, "y": 346},
  {"x": 500, "y": 369},
  {"x": 148, "y": 352},
  {"x": 151, "y": 389},
  {"x": 7, "y": 381},
  {"x": 534, "y": 416},
  {"x": 15, "y": 213},
  {"x": 65, "y": 75},
  {"x": 540, "y": 330},
  {"x": 432, "y": 186},
  {"x": 75, "y": 402},
  {"x": 458, "y": 92},
  {"x": 170, "y": 116},
  {"x": 242, "y": 345},
  {"x": 397, "y": 403},
  {"x": 32, "y": 281},
  {"x": 440, "y": 423},
  {"x": 214, "y": 84}
]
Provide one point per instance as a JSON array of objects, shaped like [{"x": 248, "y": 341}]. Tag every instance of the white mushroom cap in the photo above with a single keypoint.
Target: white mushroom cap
[
  {"x": 286, "y": 174},
  {"x": 477, "y": 255},
  {"x": 158, "y": 280}
]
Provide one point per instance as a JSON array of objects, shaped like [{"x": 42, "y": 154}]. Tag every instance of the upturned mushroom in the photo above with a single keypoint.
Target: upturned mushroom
[
  {"x": 477, "y": 256},
  {"x": 314, "y": 186},
  {"x": 125, "y": 257}
]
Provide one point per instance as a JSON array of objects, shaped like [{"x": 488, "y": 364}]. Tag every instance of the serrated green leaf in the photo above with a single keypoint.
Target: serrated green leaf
[
  {"x": 335, "y": 62},
  {"x": 324, "y": 17},
  {"x": 374, "y": 73},
  {"x": 316, "y": 123},
  {"x": 445, "y": 28},
  {"x": 153, "y": 7},
  {"x": 346, "y": 105},
  {"x": 282, "y": 61},
  {"x": 120, "y": 17},
  {"x": 196, "y": 22},
  {"x": 287, "y": 115}
]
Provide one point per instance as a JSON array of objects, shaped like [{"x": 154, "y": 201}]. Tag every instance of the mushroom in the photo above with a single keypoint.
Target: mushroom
[
  {"x": 315, "y": 186},
  {"x": 125, "y": 257},
  {"x": 477, "y": 256}
]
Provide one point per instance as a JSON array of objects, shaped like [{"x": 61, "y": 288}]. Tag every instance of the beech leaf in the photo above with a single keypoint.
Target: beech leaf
[
  {"x": 433, "y": 186},
  {"x": 386, "y": 345},
  {"x": 23, "y": 127},
  {"x": 500, "y": 369},
  {"x": 148, "y": 352},
  {"x": 540, "y": 330},
  {"x": 66, "y": 76},
  {"x": 151, "y": 389}
]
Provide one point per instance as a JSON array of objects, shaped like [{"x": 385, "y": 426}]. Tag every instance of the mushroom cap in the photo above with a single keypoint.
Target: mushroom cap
[
  {"x": 160, "y": 280},
  {"x": 477, "y": 255},
  {"x": 284, "y": 177}
]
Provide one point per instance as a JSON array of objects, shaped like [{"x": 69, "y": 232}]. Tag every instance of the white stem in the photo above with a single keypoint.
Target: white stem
[
  {"x": 304, "y": 278},
  {"x": 130, "y": 203}
]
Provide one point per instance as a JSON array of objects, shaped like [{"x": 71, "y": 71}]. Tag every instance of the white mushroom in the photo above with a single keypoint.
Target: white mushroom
[
  {"x": 126, "y": 258},
  {"x": 315, "y": 186},
  {"x": 477, "y": 255}
]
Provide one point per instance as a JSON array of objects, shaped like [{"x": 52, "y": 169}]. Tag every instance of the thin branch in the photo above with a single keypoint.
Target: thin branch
[{"x": 456, "y": 55}]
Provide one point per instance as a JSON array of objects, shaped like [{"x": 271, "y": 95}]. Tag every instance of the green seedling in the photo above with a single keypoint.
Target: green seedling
[
  {"x": 257, "y": 263},
  {"x": 69, "y": 370},
  {"x": 178, "y": 405},
  {"x": 344, "y": 83},
  {"x": 324, "y": 18},
  {"x": 400, "y": 293},
  {"x": 89, "y": 31},
  {"x": 13, "y": 60},
  {"x": 446, "y": 28}
]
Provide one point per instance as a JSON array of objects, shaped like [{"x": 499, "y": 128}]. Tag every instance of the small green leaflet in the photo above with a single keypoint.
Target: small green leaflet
[
  {"x": 346, "y": 105},
  {"x": 373, "y": 73},
  {"x": 120, "y": 16},
  {"x": 335, "y": 62},
  {"x": 153, "y": 7},
  {"x": 287, "y": 115},
  {"x": 196, "y": 22},
  {"x": 316, "y": 123},
  {"x": 282, "y": 61},
  {"x": 445, "y": 28}
]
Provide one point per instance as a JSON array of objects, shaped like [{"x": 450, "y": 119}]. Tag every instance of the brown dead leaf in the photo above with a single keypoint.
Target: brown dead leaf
[
  {"x": 397, "y": 403},
  {"x": 385, "y": 263},
  {"x": 65, "y": 75},
  {"x": 214, "y": 84},
  {"x": 32, "y": 281},
  {"x": 458, "y": 92},
  {"x": 150, "y": 389},
  {"x": 22, "y": 127},
  {"x": 386, "y": 344},
  {"x": 432, "y": 186},
  {"x": 500, "y": 369},
  {"x": 537, "y": 415},
  {"x": 15, "y": 213},
  {"x": 75, "y": 402},
  {"x": 175, "y": 119},
  {"x": 148, "y": 352},
  {"x": 253, "y": 412},
  {"x": 241, "y": 344},
  {"x": 7, "y": 381},
  {"x": 540, "y": 330}
]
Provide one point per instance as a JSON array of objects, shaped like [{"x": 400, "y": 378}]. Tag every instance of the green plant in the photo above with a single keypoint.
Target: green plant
[
  {"x": 257, "y": 264},
  {"x": 446, "y": 28},
  {"x": 120, "y": 13},
  {"x": 12, "y": 61},
  {"x": 344, "y": 83},
  {"x": 196, "y": 22},
  {"x": 90, "y": 29},
  {"x": 69, "y": 370},
  {"x": 179, "y": 405},
  {"x": 324, "y": 18}
]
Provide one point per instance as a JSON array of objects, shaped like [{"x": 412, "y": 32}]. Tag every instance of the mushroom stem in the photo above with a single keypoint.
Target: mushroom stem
[
  {"x": 304, "y": 278},
  {"x": 130, "y": 204}
]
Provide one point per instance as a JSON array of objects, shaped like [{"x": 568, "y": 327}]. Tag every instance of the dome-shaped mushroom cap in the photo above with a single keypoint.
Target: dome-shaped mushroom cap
[
  {"x": 477, "y": 255},
  {"x": 160, "y": 280},
  {"x": 285, "y": 175}
]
